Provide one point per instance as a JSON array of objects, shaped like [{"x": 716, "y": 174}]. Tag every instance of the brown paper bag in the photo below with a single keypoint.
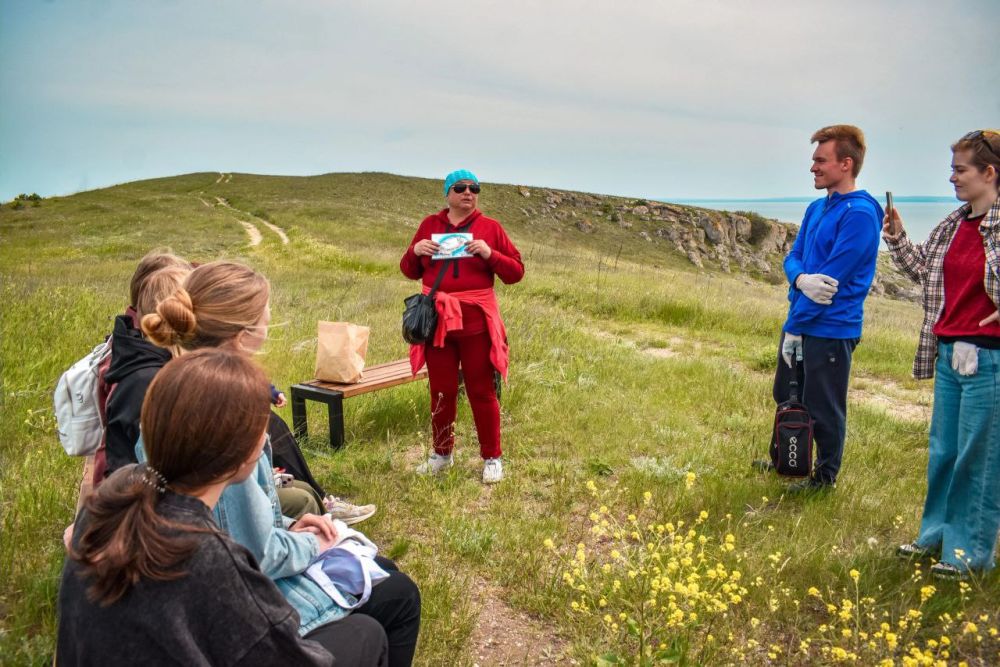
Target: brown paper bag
[{"x": 340, "y": 352}]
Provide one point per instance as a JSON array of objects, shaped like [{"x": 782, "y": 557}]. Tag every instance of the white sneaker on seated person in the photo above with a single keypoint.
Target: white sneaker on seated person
[{"x": 338, "y": 508}]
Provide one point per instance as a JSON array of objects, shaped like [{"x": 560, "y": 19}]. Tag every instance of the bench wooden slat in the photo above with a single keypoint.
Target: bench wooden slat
[
  {"x": 391, "y": 381},
  {"x": 86, "y": 482},
  {"x": 373, "y": 378},
  {"x": 377, "y": 377},
  {"x": 374, "y": 372}
]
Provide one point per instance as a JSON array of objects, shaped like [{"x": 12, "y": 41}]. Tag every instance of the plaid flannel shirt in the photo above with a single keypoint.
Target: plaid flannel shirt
[{"x": 924, "y": 264}]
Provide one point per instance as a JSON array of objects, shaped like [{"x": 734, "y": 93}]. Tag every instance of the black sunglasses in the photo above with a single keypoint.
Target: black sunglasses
[
  {"x": 984, "y": 135},
  {"x": 460, "y": 188}
]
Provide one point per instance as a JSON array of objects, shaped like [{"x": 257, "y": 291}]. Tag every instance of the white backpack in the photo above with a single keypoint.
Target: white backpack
[{"x": 77, "y": 412}]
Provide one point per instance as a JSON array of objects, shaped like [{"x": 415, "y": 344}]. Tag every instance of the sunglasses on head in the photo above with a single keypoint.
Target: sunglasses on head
[
  {"x": 985, "y": 136},
  {"x": 460, "y": 188}
]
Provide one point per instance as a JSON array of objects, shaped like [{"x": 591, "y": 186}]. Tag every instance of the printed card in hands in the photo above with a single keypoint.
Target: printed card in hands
[{"x": 452, "y": 245}]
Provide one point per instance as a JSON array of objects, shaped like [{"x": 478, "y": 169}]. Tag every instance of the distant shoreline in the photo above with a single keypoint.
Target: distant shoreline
[{"x": 772, "y": 200}]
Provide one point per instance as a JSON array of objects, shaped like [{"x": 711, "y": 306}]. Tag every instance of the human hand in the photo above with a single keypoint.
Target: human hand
[
  {"x": 892, "y": 229},
  {"x": 995, "y": 317},
  {"x": 282, "y": 401},
  {"x": 965, "y": 358},
  {"x": 320, "y": 526},
  {"x": 479, "y": 247},
  {"x": 791, "y": 345},
  {"x": 817, "y": 287},
  {"x": 426, "y": 248}
]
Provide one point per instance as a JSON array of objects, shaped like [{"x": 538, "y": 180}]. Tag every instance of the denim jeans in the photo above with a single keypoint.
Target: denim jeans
[{"x": 962, "y": 510}]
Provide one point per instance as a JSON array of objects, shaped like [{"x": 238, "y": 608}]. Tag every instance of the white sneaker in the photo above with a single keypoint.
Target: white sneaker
[
  {"x": 338, "y": 508},
  {"x": 492, "y": 471},
  {"x": 434, "y": 464}
]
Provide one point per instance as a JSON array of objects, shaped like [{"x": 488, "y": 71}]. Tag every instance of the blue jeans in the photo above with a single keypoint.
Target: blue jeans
[{"x": 962, "y": 510}]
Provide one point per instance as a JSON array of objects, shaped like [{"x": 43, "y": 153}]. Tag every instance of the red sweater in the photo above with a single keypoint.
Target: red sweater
[
  {"x": 472, "y": 272},
  {"x": 965, "y": 301}
]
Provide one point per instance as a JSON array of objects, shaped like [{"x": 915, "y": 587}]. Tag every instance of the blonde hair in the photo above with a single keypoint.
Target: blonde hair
[
  {"x": 850, "y": 143},
  {"x": 217, "y": 302},
  {"x": 157, "y": 286},
  {"x": 160, "y": 258}
]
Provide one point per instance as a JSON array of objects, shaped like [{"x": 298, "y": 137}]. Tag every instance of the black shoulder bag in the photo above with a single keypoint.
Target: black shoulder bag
[
  {"x": 420, "y": 317},
  {"x": 792, "y": 439}
]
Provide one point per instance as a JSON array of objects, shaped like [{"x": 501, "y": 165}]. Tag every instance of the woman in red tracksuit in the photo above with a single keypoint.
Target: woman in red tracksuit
[{"x": 470, "y": 333}]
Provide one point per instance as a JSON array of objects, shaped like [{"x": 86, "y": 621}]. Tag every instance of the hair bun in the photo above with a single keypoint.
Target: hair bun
[{"x": 173, "y": 322}]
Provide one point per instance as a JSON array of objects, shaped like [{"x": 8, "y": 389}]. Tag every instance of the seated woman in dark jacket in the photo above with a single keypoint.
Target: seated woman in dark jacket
[{"x": 149, "y": 578}]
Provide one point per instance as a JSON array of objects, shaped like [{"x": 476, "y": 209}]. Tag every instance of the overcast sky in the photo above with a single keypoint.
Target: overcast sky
[{"x": 675, "y": 99}]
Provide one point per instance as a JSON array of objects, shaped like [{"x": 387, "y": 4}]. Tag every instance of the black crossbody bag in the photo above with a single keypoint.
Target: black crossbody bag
[
  {"x": 420, "y": 316},
  {"x": 792, "y": 438}
]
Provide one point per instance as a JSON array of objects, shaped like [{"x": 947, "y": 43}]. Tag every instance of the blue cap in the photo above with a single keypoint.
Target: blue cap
[{"x": 456, "y": 176}]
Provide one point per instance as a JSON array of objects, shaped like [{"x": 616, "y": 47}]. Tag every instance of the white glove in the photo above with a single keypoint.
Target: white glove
[
  {"x": 817, "y": 287},
  {"x": 791, "y": 345},
  {"x": 965, "y": 358}
]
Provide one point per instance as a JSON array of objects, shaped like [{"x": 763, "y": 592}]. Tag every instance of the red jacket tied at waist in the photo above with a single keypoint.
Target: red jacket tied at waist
[{"x": 449, "y": 310}]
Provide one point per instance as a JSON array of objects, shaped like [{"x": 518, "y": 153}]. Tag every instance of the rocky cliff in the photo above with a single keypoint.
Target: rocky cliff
[{"x": 742, "y": 242}]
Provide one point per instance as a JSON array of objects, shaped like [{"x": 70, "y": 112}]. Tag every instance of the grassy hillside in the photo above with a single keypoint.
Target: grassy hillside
[{"x": 639, "y": 392}]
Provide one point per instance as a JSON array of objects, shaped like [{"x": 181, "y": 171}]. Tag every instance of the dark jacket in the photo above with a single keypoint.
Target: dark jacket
[
  {"x": 134, "y": 363},
  {"x": 224, "y": 611}
]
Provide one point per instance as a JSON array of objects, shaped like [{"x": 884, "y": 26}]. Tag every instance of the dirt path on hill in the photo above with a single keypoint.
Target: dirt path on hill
[
  {"x": 506, "y": 636},
  {"x": 255, "y": 236},
  {"x": 503, "y": 636},
  {"x": 251, "y": 229},
  {"x": 274, "y": 228}
]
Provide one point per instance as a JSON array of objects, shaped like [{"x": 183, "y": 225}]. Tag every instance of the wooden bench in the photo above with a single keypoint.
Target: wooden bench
[
  {"x": 333, "y": 394},
  {"x": 86, "y": 482}
]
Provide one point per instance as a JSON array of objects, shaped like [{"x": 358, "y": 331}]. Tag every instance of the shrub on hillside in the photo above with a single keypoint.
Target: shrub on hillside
[{"x": 760, "y": 227}]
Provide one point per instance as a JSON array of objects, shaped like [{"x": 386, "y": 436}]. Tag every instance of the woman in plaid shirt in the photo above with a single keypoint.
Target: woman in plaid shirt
[{"x": 959, "y": 268}]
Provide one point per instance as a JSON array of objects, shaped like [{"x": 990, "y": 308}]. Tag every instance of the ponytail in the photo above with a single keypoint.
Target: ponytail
[{"x": 124, "y": 539}]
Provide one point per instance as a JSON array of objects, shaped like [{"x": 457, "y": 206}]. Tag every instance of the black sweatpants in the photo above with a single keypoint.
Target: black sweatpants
[{"x": 823, "y": 376}]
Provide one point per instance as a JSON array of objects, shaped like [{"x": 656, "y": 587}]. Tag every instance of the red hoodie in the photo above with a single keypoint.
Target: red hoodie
[{"x": 467, "y": 274}]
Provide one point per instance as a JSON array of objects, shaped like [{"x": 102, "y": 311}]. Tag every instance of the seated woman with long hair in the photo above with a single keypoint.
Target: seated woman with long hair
[
  {"x": 150, "y": 579},
  {"x": 224, "y": 305}
]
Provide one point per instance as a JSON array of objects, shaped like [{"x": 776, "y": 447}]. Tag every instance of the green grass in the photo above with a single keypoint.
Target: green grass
[{"x": 630, "y": 373}]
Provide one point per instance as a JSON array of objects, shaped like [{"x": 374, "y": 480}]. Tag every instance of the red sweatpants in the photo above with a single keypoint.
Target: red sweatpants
[{"x": 473, "y": 354}]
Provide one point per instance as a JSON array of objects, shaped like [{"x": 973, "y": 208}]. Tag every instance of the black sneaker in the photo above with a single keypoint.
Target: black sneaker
[
  {"x": 810, "y": 486},
  {"x": 914, "y": 551},
  {"x": 761, "y": 465}
]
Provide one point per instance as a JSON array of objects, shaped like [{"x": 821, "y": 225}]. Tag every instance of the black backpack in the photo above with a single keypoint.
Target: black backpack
[{"x": 792, "y": 439}]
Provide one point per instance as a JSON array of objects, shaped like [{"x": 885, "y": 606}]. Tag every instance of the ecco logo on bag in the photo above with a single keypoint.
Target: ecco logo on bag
[{"x": 793, "y": 452}]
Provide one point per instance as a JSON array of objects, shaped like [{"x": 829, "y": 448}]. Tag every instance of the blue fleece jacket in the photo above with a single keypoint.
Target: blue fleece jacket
[{"x": 839, "y": 237}]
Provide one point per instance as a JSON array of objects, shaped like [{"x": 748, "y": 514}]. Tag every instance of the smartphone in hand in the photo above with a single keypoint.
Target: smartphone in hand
[{"x": 893, "y": 223}]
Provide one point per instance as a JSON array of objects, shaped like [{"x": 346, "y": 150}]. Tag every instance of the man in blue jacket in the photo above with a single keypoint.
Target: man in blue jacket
[{"x": 830, "y": 269}]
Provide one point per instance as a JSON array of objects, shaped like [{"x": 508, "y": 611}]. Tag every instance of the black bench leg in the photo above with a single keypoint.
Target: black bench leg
[
  {"x": 299, "y": 415},
  {"x": 335, "y": 407}
]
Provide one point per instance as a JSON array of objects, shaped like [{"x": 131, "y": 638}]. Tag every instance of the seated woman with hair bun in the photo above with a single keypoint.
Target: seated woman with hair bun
[
  {"x": 225, "y": 305},
  {"x": 150, "y": 579}
]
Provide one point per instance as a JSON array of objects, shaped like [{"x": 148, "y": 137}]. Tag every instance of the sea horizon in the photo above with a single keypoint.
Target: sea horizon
[{"x": 920, "y": 213}]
